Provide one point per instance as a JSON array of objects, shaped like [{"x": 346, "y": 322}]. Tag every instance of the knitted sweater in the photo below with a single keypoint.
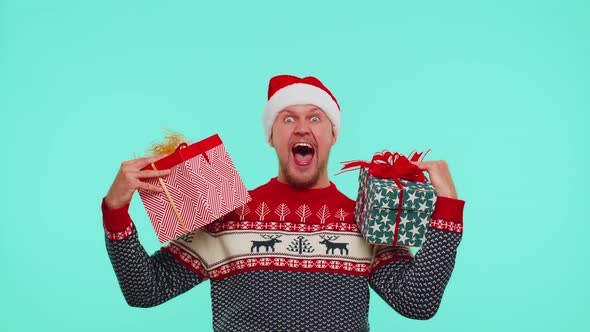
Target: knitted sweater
[{"x": 290, "y": 259}]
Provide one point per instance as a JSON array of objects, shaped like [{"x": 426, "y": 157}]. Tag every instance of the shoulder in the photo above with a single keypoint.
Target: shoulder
[
  {"x": 342, "y": 199},
  {"x": 261, "y": 191}
]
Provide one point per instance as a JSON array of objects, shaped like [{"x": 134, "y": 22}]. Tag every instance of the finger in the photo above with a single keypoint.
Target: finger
[
  {"x": 148, "y": 186},
  {"x": 142, "y": 162},
  {"x": 152, "y": 174},
  {"x": 423, "y": 165}
]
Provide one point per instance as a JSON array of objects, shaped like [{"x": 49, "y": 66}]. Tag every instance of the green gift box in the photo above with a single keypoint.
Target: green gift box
[{"x": 379, "y": 215}]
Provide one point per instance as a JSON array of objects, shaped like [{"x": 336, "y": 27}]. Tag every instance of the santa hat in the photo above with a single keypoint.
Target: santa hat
[{"x": 287, "y": 90}]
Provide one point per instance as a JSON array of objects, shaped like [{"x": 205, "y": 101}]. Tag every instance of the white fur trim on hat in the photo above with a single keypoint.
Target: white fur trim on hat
[{"x": 300, "y": 94}]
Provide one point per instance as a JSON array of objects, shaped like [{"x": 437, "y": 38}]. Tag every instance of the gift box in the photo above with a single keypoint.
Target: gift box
[
  {"x": 203, "y": 186},
  {"x": 395, "y": 201}
]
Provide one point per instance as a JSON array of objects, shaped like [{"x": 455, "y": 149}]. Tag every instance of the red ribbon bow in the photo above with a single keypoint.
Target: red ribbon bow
[{"x": 389, "y": 165}]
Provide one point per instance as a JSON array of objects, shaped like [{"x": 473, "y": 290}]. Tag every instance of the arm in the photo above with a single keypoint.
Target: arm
[
  {"x": 145, "y": 281},
  {"x": 414, "y": 286}
]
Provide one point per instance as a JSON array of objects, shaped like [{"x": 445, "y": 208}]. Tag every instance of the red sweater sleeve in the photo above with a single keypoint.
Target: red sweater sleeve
[
  {"x": 115, "y": 220},
  {"x": 448, "y": 209},
  {"x": 448, "y": 215}
]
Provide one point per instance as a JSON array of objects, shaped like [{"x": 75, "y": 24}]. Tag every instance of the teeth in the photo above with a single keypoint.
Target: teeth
[{"x": 302, "y": 144}]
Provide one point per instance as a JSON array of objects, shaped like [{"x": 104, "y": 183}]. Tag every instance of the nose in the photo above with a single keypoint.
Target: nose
[{"x": 302, "y": 128}]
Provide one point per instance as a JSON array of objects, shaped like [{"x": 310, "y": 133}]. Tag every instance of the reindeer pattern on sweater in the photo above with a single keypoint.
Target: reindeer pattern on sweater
[{"x": 303, "y": 247}]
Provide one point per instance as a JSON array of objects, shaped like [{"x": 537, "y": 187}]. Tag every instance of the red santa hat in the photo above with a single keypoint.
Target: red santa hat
[{"x": 287, "y": 90}]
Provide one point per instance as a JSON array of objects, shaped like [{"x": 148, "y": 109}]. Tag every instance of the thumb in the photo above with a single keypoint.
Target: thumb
[{"x": 422, "y": 165}]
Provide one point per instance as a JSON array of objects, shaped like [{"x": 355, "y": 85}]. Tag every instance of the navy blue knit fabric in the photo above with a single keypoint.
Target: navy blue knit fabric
[{"x": 292, "y": 301}]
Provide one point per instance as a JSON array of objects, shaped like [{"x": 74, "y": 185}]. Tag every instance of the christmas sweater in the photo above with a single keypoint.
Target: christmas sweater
[{"x": 289, "y": 260}]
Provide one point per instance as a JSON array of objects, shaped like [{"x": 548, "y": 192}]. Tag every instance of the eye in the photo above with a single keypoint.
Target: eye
[
  {"x": 289, "y": 119},
  {"x": 315, "y": 119}
]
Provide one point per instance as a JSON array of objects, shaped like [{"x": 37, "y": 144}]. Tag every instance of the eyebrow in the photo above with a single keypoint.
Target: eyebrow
[
  {"x": 315, "y": 109},
  {"x": 285, "y": 113}
]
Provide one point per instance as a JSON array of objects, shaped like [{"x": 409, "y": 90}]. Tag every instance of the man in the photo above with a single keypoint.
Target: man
[{"x": 292, "y": 259}]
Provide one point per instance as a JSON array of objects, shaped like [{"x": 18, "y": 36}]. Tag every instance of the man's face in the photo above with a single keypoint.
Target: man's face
[{"x": 302, "y": 136}]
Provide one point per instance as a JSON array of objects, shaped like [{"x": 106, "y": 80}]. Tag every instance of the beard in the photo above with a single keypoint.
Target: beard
[{"x": 305, "y": 181}]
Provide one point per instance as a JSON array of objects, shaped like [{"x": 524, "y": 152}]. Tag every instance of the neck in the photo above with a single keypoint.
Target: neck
[{"x": 322, "y": 182}]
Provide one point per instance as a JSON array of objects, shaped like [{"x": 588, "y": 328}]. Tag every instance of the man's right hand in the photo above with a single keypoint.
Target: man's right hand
[{"x": 128, "y": 180}]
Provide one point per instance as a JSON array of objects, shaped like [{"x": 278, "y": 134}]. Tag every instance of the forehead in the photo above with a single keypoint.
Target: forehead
[{"x": 302, "y": 110}]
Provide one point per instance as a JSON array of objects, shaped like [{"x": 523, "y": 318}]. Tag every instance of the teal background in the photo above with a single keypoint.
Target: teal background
[{"x": 499, "y": 89}]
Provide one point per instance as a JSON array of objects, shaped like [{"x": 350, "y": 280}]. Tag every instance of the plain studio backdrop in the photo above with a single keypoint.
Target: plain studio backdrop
[{"x": 499, "y": 89}]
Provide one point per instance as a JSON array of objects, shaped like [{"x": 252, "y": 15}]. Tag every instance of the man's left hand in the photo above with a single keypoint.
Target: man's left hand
[{"x": 440, "y": 177}]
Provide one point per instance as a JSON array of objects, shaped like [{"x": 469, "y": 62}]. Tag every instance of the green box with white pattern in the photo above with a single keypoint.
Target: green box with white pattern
[{"x": 377, "y": 207}]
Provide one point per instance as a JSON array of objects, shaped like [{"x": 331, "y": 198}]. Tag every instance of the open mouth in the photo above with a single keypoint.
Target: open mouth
[{"x": 302, "y": 153}]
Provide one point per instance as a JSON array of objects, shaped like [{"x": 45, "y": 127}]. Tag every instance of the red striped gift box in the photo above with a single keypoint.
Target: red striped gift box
[{"x": 203, "y": 186}]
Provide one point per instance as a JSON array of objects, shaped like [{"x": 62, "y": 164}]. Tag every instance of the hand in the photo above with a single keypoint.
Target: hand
[
  {"x": 439, "y": 174},
  {"x": 128, "y": 180}
]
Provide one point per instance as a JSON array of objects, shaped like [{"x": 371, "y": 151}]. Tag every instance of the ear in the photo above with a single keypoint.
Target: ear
[
  {"x": 270, "y": 141},
  {"x": 333, "y": 136}
]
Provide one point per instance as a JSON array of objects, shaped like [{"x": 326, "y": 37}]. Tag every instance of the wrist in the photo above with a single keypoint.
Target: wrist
[
  {"x": 447, "y": 193},
  {"x": 111, "y": 204}
]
